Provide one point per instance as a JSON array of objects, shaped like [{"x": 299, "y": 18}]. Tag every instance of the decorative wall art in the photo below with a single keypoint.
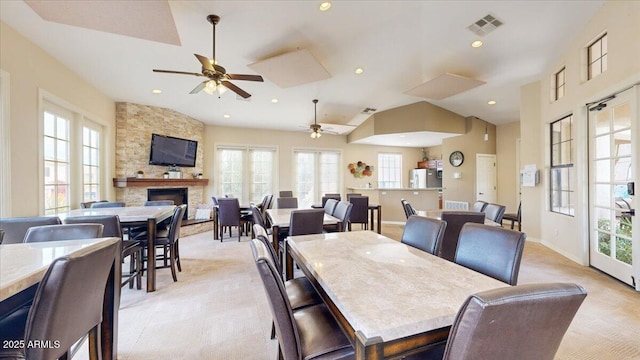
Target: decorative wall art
[{"x": 360, "y": 169}]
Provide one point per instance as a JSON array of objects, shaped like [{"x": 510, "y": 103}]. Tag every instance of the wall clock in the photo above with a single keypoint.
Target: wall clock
[{"x": 456, "y": 158}]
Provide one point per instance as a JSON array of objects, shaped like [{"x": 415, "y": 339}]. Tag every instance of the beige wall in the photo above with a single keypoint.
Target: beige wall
[
  {"x": 31, "y": 70},
  {"x": 565, "y": 234},
  {"x": 507, "y": 136},
  {"x": 471, "y": 143}
]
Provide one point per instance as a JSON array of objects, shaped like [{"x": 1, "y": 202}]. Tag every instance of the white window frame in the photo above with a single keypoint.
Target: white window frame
[
  {"x": 247, "y": 168},
  {"x": 318, "y": 192},
  {"x": 383, "y": 180},
  {"x": 562, "y": 166},
  {"x": 5, "y": 146}
]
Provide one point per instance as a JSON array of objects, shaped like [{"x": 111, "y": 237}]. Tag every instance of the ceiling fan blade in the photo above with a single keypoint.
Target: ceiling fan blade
[
  {"x": 206, "y": 63},
  {"x": 245, "y": 77},
  {"x": 177, "y": 72},
  {"x": 236, "y": 89},
  {"x": 199, "y": 88}
]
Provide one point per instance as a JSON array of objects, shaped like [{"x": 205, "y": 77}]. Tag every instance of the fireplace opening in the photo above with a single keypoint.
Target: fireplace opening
[{"x": 178, "y": 195}]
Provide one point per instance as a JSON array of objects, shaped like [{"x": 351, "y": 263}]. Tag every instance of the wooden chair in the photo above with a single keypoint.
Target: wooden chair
[{"x": 517, "y": 217}]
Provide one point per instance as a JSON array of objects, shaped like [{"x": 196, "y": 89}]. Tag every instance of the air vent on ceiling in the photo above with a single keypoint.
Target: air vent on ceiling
[
  {"x": 368, "y": 111},
  {"x": 485, "y": 25}
]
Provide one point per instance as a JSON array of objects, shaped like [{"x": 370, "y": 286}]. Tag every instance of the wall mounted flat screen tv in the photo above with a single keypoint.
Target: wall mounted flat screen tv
[{"x": 172, "y": 151}]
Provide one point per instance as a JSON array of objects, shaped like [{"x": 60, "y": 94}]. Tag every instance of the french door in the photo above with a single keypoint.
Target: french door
[{"x": 613, "y": 167}]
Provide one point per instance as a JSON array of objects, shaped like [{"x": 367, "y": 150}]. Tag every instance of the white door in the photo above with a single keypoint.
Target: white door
[
  {"x": 613, "y": 166},
  {"x": 486, "y": 183}
]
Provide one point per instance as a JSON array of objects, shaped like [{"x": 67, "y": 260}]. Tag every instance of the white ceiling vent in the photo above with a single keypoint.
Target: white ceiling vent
[
  {"x": 368, "y": 111},
  {"x": 485, "y": 25}
]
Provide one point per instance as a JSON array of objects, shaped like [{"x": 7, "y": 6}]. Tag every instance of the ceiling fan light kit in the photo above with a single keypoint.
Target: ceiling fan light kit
[
  {"x": 315, "y": 128},
  {"x": 218, "y": 77}
]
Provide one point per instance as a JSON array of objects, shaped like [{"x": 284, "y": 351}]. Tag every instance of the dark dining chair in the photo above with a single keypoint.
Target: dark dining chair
[
  {"x": 63, "y": 232},
  {"x": 130, "y": 248},
  {"x": 455, "y": 220},
  {"x": 360, "y": 211},
  {"x": 87, "y": 204},
  {"x": 287, "y": 203},
  {"x": 494, "y": 212},
  {"x": 305, "y": 222},
  {"x": 491, "y": 250},
  {"x": 67, "y": 306},
  {"x": 479, "y": 206},
  {"x": 16, "y": 228},
  {"x": 342, "y": 212},
  {"x": 525, "y": 322},
  {"x": 286, "y": 193},
  {"x": 517, "y": 217},
  {"x": 326, "y": 197},
  {"x": 107, "y": 204},
  {"x": 1, "y": 235},
  {"x": 330, "y": 206},
  {"x": 408, "y": 209},
  {"x": 158, "y": 203},
  {"x": 423, "y": 233},
  {"x": 229, "y": 216},
  {"x": 258, "y": 219},
  {"x": 307, "y": 333}
]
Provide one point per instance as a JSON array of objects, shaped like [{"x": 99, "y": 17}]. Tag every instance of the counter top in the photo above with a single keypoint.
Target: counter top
[{"x": 394, "y": 189}]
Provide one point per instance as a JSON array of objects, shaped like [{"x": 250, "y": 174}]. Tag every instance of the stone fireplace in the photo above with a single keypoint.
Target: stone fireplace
[{"x": 178, "y": 195}]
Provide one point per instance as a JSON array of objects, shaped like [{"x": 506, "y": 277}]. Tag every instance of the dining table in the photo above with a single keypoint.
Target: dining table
[
  {"x": 374, "y": 209},
  {"x": 391, "y": 299},
  {"x": 437, "y": 214},
  {"x": 23, "y": 265},
  {"x": 134, "y": 216}
]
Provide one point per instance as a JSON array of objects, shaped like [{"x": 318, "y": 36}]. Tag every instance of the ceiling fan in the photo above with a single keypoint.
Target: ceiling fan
[
  {"x": 216, "y": 74},
  {"x": 316, "y": 129}
]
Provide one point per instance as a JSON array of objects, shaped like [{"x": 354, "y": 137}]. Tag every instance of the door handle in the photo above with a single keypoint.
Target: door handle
[
  {"x": 631, "y": 212},
  {"x": 481, "y": 193}
]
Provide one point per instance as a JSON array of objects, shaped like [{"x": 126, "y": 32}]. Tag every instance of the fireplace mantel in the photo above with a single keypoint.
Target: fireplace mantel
[{"x": 145, "y": 182}]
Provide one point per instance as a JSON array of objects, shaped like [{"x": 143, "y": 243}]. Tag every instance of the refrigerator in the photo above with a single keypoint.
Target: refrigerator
[{"x": 424, "y": 178}]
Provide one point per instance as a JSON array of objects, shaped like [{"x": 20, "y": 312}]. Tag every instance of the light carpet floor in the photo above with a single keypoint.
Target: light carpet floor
[{"x": 218, "y": 309}]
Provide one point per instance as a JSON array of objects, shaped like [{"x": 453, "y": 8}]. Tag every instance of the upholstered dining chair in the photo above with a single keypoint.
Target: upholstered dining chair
[
  {"x": 494, "y": 212},
  {"x": 107, "y": 204},
  {"x": 479, "y": 206},
  {"x": 158, "y": 203},
  {"x": 229, "y": 216},
  {"x": 287, "y": 203},
  {"x": 307, "y": 333},
  {"x": 87, "y": 204},
  {"x": 286, "y": 193},
  {"x": 408, "y": 209},
  {"x": 330, "y": 206},
  {"x": 258, "y": 219},
  {"x": 305, "y": 222},
  {"x": 342, "y": 212},
  {"x": 455, "y": 220},
  {"x": 130, "y": 248},
  {"x": 67, "y": 306},
  {"x": 525, "y": 322},
  {"x": 517, "y": 217},
  {"x": 360, "y": 211},
  {"x": 326, "y": 197},
  {"x": 63, "y": 232},
  {"x": 1, "y": 235},
  {"x": 423, "y": 233},
  {"x": 16, "y": 228},
  {"x": 491, "y": 250}
]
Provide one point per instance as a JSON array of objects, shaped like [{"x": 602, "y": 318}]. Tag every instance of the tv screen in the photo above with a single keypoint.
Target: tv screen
[{"x": 172, "y": 151}]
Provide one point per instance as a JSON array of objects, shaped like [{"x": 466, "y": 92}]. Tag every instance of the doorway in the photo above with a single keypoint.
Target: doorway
[
  {"x": 613, "y": 167},
  {"x": 486, "y": 182}
]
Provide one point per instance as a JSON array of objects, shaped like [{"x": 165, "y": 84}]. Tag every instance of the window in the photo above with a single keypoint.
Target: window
[
  {"x": 559, "y": 84},
  {"x": 597, "y": 57},
  {"x": 72, "y": 157},
  {"x": 389, "y": 170},
  {"x": 246, "y": 172},
  {"x": 5, "y": 147},
  {"x": 562, "y": 172},
  {"x": 317, "y": 172}
]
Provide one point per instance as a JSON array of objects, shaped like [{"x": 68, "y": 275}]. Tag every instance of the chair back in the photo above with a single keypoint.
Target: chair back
[
  {"x": 16, "y": 228},
  {"x": 455, "y": 220},
  {"x": 519, "y": 213},
  {"x": 263, "y": 236},
  {"x": 287, "y": 203},
  {"x": 1, "y": 235},
  {"x": 479, "y": 206},
  {"x": 408, "y": 209},
  {"x": 494, "y": 212},
  {"x": 349, "y": 195},
  {"x": 360, "y": 211},
  {"x": 257, "y": 216},
  {"x": 68, "y": 302},
  {"x": 529, "y": 321},
  {"x": 330, "y": 196},
  {"x": 176, "y": 223},
  {"x": 491, "y": 250},
  {"x": 228, "y": 212},
  {"x": 63, "y": 232},
  {"x": 270, "y": 202},
  {"x": 330, "y": 206},
  {"x": 158, "y": 202},
  {"x": 305, "y": 222},
  {"x": 423, "y": 233},
  {"x": 285, "y": 325},
  {"x": 263, "y": 204},
  {"x": 343, "y": 212},
  {"x": 107, "y": 204},
  {"x": 286, "y": 193},
  {"x": 87, "y": 204},
  {"x": 215, "y": 200},
  {"x": 111, "y": 223}
]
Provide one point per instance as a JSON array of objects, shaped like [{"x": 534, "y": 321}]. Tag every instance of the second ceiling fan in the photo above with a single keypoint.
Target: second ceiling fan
[{"x": 216, "y": 74}]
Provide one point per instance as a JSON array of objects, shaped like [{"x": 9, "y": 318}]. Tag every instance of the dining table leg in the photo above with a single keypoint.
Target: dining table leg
[
  {"x": 151, "y": 255},
  {"x": 110, "y": 307},
  {"x": 379, "y": 219},
  {"x": 288, "y": 263}
]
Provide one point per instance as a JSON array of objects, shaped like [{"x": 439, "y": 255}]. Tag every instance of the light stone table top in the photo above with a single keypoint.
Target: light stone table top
[
  {"x": 127, "y": 213},
  {"x": 384, "y": 288},
  {"x": 23, "y": 265},
  {"x": 282, "y": 217},
  {"x": 437, "y": 213}
]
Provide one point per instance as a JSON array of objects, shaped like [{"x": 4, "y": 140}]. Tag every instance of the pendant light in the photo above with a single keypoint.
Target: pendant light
[
  {"x": 315, "y": 128},
  {"x": 486, "y": 134}
]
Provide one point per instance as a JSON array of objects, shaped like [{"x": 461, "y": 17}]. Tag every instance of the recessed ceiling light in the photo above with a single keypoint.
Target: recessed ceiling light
[
  {"x": 491, "y": 102},
  {"x": 325, "y": 5},
  {"x": 359, "y": 71},
  {"x": 477, "y": 43},
  {"x": 156, "y": 91},
  {"x": 274, "y": 100},
  {"x": 226, "y": 116}
]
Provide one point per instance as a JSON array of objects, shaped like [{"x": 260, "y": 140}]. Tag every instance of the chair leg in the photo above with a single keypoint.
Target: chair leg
[
  {"x": 177, "y": 250},
  {"x": 132, "y": 268},
  {"x": 273, "y": 330},
  {"x": 139, "y": 269},
  {"x": 172, "y": 262},
  {"x": 94, "y": 343}
]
